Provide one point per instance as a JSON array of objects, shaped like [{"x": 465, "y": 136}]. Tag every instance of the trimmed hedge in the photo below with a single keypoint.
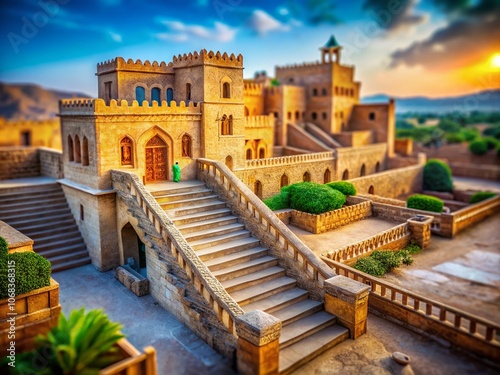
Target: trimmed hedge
[
  {"x": 437, "y": 176},
  {"x": 344, "y": 187},
  {"x": 32, "y": 271},
  {"x": 478, "y": 147},
  {"x": 315, "y": 198},
  {"x": 481, "y": 196},
  {"x": 425, "y": 203},
  {"x": 278, "y": 201}
]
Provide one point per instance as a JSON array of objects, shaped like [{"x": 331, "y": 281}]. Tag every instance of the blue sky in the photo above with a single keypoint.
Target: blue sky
[{"x": 399, "y": 47}]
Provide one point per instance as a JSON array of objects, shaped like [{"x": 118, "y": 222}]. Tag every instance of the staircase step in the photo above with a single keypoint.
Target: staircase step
[
  {"x": 227, "y": 248},
  {"x": 203, "y": 207},
  {"x": 297, "y": 311},
  {"x": 44, "y": 228},
  {"x": 206, "y": 224},
  {"x": 183, "y": 196},
  {"x": 71, "y": 263},
  {"x": 192, "y": 218},
  {"x": 305, "y": 327},
  {"x": 260, "y": 291},
  {"x": 245, "y": 268},
  {"x": 278, "y": 301},
  {"x": 30, "y": 190},
  {"x": 68, "y": 234},
  {"x": 62, "y": 250},
  {"x": 169, "y": 206},
  {"x": 298, "y": 354},
  {"x": 68, "y": 256},
  {"x": 217, "y": 240},
  {"x": 254, "y": 278},
  {"x": 234, "y": 259},
  {"x": 26, "y": 223},
  {"x": 193, "y": 185},
  {"x": 36, "y": 204},
  {"x": 57, "y": 243},
  {"x": 19, "y": 198},
  {"x": 35, "y": 213},
  {"x": 214, "y": 232}
]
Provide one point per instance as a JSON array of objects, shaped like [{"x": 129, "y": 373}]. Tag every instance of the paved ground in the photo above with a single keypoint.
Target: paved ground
[
  {"x": 337, "y": 238},
  {"x": 466, "y": 183}
]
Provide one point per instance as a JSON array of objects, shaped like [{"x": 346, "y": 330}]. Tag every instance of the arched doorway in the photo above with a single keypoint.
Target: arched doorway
[
  {"x": 306, "y": 177},
  {"x": 258, "y": 189},
  {"x": 156, "y": 159},
  {"x": 327, "y": 177},
  {"x": 345, "y": 175},
  {"x": 229, "y": 162},
  {"x": 377, "y": 167},
  {"x": 363, "y": 170},
  {"x": 133, "y": 248},
  {"x": 262, "y": 153},
  {"x": 284, "y": 180},
  {"x": 371, "y": 190}
]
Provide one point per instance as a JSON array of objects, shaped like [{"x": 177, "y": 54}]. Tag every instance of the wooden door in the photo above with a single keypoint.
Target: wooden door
[{"x": 156, "y": 160}]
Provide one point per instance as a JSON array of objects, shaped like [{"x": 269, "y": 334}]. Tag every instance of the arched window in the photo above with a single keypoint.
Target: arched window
[
  {"x": 71, "y": 154},
  {"x": 226, "y": 125},
  {"x": 363, "y": 170},
  {"x": 126, "y": 151},
  {"x": 324, "y": 115},
  {"x": 258, "y": 189},
  {"x": 229, "y": 162},
  {"x": 345, "y": 175},
  {"x": 336, "y": 90},
  {"x": 85, "y": 151},
  {"x": 246, "y": 111},
  {"x": 186, "y": 146},
  {"x": 156, "y": 95},
  {"x": 170, "y": 95},
  {"x": 314, "y": 116},
  {"x": 315, "y": 92},
  {"x": 284, "y": 181},
  {"x": 306, "y": 177},
  {"x": 140, "y": 94},
  {"x": 289, "y": 115},
  {"x": 324, "y": 92},
  {"x": 226, "y": 90},
  {"x": 262, "y": 153},
  {"x": 78, "y": 150},
  {"x": 188, "y": 91},
  {"x": 377, "y": 167},
  {"x": 276, "y": 115},
  {"x": 297, "y": 115},
  {"x": 327, "y": 177},
  {"x": 230, "y": 124},
  {"x": 371, "y": 116},
  {"x": 371, "y": 190},
  {"x": 249, "y": 154}
]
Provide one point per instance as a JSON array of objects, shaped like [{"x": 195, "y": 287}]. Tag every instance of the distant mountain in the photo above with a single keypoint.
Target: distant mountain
[
  {"x": 488, "y": 100},
  {"x": 33, "y": 102}
]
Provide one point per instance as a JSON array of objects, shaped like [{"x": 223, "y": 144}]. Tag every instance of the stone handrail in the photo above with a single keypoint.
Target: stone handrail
[
  {"x": 291, "y": 247},
  {"x": 372, "y": 243},
  {"x": 203, "y": 280},
  {"x": 437, "y": 313},
  {"x": 290, "y": 160}
]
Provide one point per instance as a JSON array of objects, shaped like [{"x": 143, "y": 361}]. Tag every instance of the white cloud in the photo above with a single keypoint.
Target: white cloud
[
  {"x": 262, "y": 23},
  {"x": 115, "y": 36},
  {"x": 181, "y": 32}
]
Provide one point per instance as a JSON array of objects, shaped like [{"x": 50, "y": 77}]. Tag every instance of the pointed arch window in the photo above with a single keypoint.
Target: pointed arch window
[
  {"x": 262, "y": 153},
  {"x": 126, "y": 151},
  {"x": 78, "y": 150},
  {"x": 71, "y": 154},
  {"x": 85, "y": 151},
  {"x": 284, "y": 180},
  {"x": 226, "y": 125},
  {"x": 186, "y": 146},
  {"x": 188, "y": 91},
  {"x": 306, "y": 177},
  {"x": 327, "y": 177},
  {"x": 249, "y": 154},
  {"x": 226, "y": 90},
  {"x": 258, "y": 189}
]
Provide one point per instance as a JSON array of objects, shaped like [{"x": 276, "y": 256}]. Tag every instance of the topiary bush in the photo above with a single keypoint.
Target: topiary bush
[
  {"x": 454, "y": 138},
  {"x": 32, "y": 271},
  {"x": 370, "y": 266},
  {"x": 425, "y": 203},
  {"x": 315, "y": 198},
  {"x": 344, "y": 187},
  {"x": 481, "y": 196},
  {"x": 491, "y": 142},
  {"x": 478, "y": 147},
  {"x": 437, "y": 176},
  {"x": 278, "y": 201}
]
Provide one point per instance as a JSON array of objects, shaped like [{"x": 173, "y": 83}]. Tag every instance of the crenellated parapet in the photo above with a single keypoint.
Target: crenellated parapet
[
  {"x": 85, "y": 107},
  {"x": 119, "y": 63},
  {"x": 210, "y": 57},
  {"x": 253, "y": 89},
  {"x": 266, "y": 121}
]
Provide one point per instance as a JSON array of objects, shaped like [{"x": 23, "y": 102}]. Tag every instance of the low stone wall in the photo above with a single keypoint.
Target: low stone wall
[
  {"x": 132, "y": 280},
  {"x": 19, "y": 162},
  {"x": 487, "y": 172},
  {"x": 472, "y": 214},
  {"x": 379, "y": 199},
  {"x": 332, "y": 219},
  {"x": 51, "y": 162}
]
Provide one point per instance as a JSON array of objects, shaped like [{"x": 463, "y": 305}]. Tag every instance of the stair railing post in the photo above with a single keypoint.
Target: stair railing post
[{"x": 258, "y": 348}]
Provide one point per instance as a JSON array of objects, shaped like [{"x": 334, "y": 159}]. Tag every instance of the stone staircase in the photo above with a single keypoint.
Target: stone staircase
[
  {"x": 42, "y": 213},
  {"x": 250, "y": 274}
]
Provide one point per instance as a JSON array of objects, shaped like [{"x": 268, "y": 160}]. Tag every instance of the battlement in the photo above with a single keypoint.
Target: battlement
[
  {"x": 302, "y": 65},
  {"x": 253, "y": 89},
  {"x": 210, "y": 57},
  {"x": 119, "y": 63},
  {"x": 266, "y": 121},
  {"x": 91, "y": 107}
]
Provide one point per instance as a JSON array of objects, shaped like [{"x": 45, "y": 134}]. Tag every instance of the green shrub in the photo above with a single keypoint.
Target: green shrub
[
  {"x": 387, "y": 258},
  {"x": 344, "y": 187},
  {"x": 491, "y": 142},
  {"x": 454, "y": 137},
  {"x": 32, "y": 272},
  {"x": 469, "y": 134},
  {"x": 413, "y": 248},
  {"x": 4, "y": 248},
  {"x": 437, "y": 176},
  {"x": 405, "y": 257},
  {"x": 82, "y": 344},
  {"x": 278, "y": 201},
  {"x": 315, "y": 198},
  {"x": 370, "y": 266},
  {"x": 425, "y": 202},
  {"x": 493, "y": 131},
  {"x": 481, "y": 196},
  {"x": 478, "y": 147}
]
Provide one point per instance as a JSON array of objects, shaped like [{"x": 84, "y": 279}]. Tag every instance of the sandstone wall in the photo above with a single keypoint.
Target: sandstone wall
[
  {"x": 51, "y": 162},
  {"x": 19, "y": 162}
]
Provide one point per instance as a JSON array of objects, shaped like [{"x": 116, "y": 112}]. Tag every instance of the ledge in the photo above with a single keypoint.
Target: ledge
[
  {"x": 15, "y": 239},
  {"x": 84, "y": 188}
]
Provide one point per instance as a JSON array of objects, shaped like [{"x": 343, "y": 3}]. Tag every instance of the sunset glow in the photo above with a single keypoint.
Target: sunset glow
[{"x": 495, "y": 60}]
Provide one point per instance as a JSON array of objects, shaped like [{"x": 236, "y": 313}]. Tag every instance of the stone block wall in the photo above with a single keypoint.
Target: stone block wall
[
  {"x": 487, "y": 172},
  {"x": 19, "y": 162},
  {"x": 51, "y": 162}
]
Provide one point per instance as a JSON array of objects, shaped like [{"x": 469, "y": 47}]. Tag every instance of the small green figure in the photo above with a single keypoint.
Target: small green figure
[{"x": 176, "y": 171}]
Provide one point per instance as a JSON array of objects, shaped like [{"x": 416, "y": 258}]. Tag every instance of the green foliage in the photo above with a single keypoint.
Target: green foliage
[
  {"x": 344, "y": 187},
  {"x": 404, "y": 124},
  {"x": 437, "y": 176},
  {"x": 481, "y": 196},
  {"x": 491, "y": 142},
  {"x": 454, "y": 138},
  {"x": 449, "y": 126},
  {"x": 469, "y": 134},
  {"x": 278, "y": 201},
  {"x": 315, "y": 198},
  {"x": 387, "y": 258},
  {"x": 413, "y": 248},
  {"x": 32, "y": 271},
  {"x": 492, "y": 131},
  {"x": 425, "y": 202},
  {"x": 80, "y": 345},
  {"x": 370, "y": 266},
  {"x": 274, "y": 82},
  {"x": 478, "y": 147}
]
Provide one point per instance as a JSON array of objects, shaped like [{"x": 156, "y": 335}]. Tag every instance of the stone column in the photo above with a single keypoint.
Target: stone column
[
  {"x": 420, "y": 229},
  {"x": 348, "y": 300},
  {"x": 258, "y": 343}
]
